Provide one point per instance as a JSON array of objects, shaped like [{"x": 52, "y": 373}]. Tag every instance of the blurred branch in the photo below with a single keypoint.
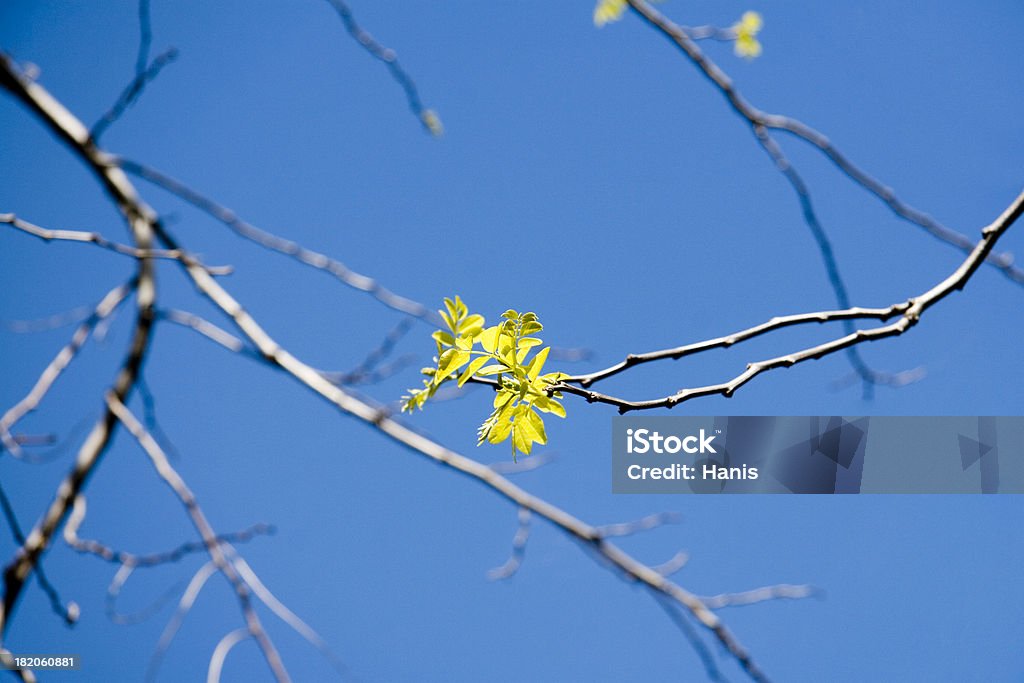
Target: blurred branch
[
  {"x": 50, "y": 322},
  {"x": 427, "y": 117},
  {"x": 515, "y": 560},
  {"x": 220, "y": 653},
  {"x": 690, "y": 633},
  {"x": 207, "y": 329},
  {"x": 132, "y": 92},
  {"x": 213, "y": 545},
  {"x": 643, "y": 524},
  {"x": 68, "y": 613},
  {"x": 185, "y": 603},
  {"x": 107, "y": 305},
  {"x": 145, "y": 71},
  {"x": 105, "y": 552},
  {"x": 674, "y": 564},
  {"x": 782, "y": 591},
  {"x": 289, "y": 248},
  {"x": 755, "y": 117},
  {"x": 101, "y": 241}
]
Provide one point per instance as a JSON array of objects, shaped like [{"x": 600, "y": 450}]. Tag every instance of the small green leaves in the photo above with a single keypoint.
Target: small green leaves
[
  {"x": 608, "y": 11},
  {"x": 468, "y": 349},
  {"x": 747, "y": 28}
]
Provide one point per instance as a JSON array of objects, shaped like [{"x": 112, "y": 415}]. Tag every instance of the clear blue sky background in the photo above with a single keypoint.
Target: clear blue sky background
[{"x": 594, "y": 177}]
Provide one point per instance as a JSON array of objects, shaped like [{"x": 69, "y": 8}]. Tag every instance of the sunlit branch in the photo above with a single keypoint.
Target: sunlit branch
[
  {"x": 776, "y": 323},
  {"x": 909, "y": 314}
]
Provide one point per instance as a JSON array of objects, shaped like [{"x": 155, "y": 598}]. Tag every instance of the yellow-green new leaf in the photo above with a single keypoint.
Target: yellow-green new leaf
[
  {"x": 492, "y": 369},
  {"x": 537, "y": 364},
  {"x": 520, "y": 441},
  {"x": 472, "y": 368},
  {"x": 444, "y": 338},
  {"x": 489, "y": 339},
  {"x": 549, "y": 405},
  {"x": 533, "y": 426},
  {"x": 450, "y": 361}
]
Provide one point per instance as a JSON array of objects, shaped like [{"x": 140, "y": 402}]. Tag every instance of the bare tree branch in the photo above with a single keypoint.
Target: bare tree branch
[{"x": 909, "y": 314}]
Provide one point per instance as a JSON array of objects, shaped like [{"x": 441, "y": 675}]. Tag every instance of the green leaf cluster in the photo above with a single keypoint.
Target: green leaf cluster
[{"x": 504, "y": 353}]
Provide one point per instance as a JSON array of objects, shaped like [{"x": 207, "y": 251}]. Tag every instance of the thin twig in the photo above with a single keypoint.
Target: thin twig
[
  {"x": 515, "y": 560},
  {"x": 132, "y": 92},
  {"x": 99, "y": 240},
  {"x": 105, "y": 552},
  {"x": 50, "y": 322},
  {"x": 188, "y": 599},
  {"x": 782, "y": 591},
  {"x": 60, "y": 362},
  {"x": 427, "y": 117},
  {"x": 644, "y": 524},
  {"x": 220, "y": 653},
  {"x": 673, "y": 564},
  {"x": 69, "y": 612}
]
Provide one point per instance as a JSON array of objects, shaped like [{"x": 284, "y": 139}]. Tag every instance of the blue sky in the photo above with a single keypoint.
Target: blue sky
[{"x": 591, "y": 176}]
